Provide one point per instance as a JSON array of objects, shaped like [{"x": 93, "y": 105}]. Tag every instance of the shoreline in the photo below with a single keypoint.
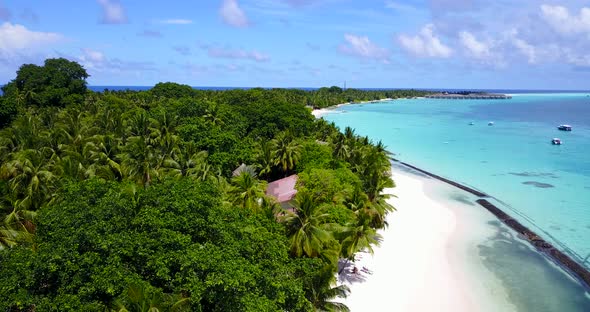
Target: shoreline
[
  {"x": 412, "y": 262},
  {"x": 442, "y": 246},
  {"x": 318, "y": 113},
  {"x": 574, "y": 268}
]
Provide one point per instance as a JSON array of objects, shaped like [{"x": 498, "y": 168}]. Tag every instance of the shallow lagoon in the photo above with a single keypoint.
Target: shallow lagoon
[{"x": 545, "y": 186}]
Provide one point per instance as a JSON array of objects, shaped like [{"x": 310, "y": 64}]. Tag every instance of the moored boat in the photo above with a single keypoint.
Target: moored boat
[
  {"x": 565, "y": 128},
  {"x": 491, "y": 123},
  {"x": 556, "y": 141}
]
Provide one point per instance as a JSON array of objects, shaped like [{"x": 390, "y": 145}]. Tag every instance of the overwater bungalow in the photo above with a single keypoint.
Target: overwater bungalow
[{"x": 469, "y": 96}]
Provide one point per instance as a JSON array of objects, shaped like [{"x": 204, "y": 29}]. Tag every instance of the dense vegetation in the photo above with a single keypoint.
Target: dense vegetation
[{"x": 126, "y": 201}]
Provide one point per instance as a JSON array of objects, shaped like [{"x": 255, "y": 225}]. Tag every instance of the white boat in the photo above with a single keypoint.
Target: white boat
[
  {"x": 556, "y": 141},
  {"x": 471, "y": 123},
  {"x": 491, "y": 123},
  {"x": 565, "y": 128}
]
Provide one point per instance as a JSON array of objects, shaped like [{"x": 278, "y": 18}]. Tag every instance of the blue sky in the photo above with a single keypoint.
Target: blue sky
[{"x": 516, "y": 44}]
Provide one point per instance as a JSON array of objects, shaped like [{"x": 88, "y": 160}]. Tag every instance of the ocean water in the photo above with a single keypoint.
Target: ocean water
[
  {"x": 501, "y": 271},
  {"x": 547, "y": 187}
]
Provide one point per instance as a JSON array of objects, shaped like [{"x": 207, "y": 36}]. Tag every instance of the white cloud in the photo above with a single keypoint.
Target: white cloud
[
  {"x": 220, "y": 52},
  {"x": 425, "y": 44},
  {"x": 15, "y": 37},
  {"x": 96, "y": 61},
  {"x": 176, "y": 21},
  {"x": 232, "y": 14},
  {"x": 526, "y": 49},
  {"x": 560, "y": 19},
  {"x": 112, "y": 12},
  {"x": 362, "y": 47},
  {"x": 90, "y": 55},
  {"x": 576, "y": 59},
  {"x": 476, "y": 49}
]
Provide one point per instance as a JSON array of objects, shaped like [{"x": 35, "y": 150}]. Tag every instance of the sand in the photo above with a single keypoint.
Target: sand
[{"x": 411, "y": 270}]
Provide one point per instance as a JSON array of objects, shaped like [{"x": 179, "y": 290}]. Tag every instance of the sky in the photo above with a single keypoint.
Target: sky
[{"x": 501, "y": 44}]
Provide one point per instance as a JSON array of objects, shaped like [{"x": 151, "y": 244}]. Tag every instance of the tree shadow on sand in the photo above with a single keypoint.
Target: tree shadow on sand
[{"x": 348, "y": 274}]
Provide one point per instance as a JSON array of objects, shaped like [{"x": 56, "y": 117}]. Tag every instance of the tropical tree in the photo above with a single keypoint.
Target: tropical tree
[
  {"x": 265, "y": 158},
  {"x": 139, "y": 298},
  {"x": 30, "y": 178},
  {"x": 358, "y": 237},
  {"x": 286, "y": 152},
  {"x": 340, "y": 147},
  {"x": 139, "y": 161},
  {"x": 188, "y": 162},
  {"x": 322, "y": 292},
  {"x": 102, "y": 152},
  {"x": 247, "y": 191},
  {"x": 307, "y": 229}
]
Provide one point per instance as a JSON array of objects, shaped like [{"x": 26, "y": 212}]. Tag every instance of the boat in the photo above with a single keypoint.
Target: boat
[
  {"x": 565, "y": 128},
  {"x": 471, "y": 123},
  {"x": 556, "y": 141},
  {"x": 491, "y": 123}
]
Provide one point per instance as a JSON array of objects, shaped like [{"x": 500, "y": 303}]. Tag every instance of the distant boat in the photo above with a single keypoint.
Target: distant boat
[
  {"x": 491, "y": 123},
  {"x": 556, "y": 141},
  {"x": 565, "y": 128},
  {"x": 471, "y": 123}
]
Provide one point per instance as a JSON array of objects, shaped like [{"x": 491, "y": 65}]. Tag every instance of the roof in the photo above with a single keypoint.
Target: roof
[{"x": 284, "y": 189}]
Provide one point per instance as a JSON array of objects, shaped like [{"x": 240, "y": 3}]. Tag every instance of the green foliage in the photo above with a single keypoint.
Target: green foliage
[
  {"x": 57, "y": 83},
  {"x": 7, "y": 111},
  {"x": 126, "y": 200},
  {"x": 171, "y": 90},
  {"x": 175, "y": 236},
  {"x": 327, "y": 185},
  {"x": 315, "y": 155}
]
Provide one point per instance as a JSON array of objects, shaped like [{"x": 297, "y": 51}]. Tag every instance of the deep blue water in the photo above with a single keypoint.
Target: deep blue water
[{"x": 545, "y": 186}]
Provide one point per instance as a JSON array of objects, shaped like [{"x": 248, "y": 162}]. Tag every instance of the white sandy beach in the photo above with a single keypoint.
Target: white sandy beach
[
  {"x": 418, "y": 266},
  {"x": 318, "y": 113}
]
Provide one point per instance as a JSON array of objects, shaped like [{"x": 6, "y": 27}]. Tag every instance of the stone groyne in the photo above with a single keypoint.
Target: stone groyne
[{"x": 566, "y": 262}]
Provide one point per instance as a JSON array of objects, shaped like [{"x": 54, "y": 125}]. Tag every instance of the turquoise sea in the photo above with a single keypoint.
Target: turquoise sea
[{"x": 547, "y": 187}]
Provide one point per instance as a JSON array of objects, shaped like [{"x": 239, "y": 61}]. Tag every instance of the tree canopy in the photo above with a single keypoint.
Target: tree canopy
[
  {"x": 129, "y": 200},
  {"x": 56, "y": 83}
]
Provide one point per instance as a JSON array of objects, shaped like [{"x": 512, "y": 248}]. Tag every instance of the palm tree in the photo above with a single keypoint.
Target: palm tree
[
  {"x": 212, "y": 114},
  {"x": 30, "y": 177},
  {"x": 359, "y": 236},
  {"x": 8, "y": 237},
  {"x": 70, "y": 167},
  {"x": 137, "y": 298},
  {"x": 307, "y": 229},
  {"x": 247, "y": 191},
  {"x": 349, "y": 133},
  {"x": 140, "y": 125},
  {"x": 18, "y": 224},
  {"x": 74, "y": 131},
  {"x": 188, "y": 163},
  {"x": 340, "y": 147},
  {"x": 139, "y": 161},
  {"x": 25, "y": 132},
  {"x": 287, "y": 152},
  {"x": 265, "y": 158},
  {"x": 101, "y": 152},
  {"x": 321, "y": 293}
]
